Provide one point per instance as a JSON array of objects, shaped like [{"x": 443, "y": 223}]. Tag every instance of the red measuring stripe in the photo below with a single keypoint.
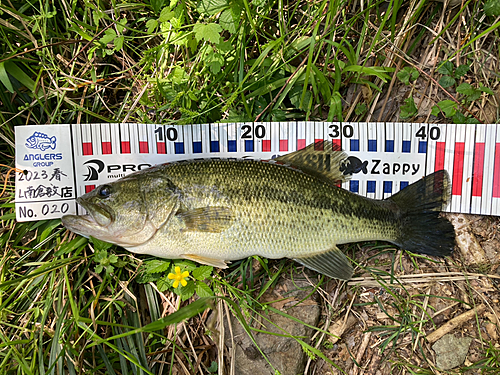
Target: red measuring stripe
[
  {"x": 283, "y": 144},
  {"x": 439, "y": 164},
  {"x": 160, "y": 148},
  {"x": 266, "y": 145},
  {"x": 143, "y": 147},
  {"x": 87, "y": 148},
  {"x": 496, "y": 172},
  {"x": 301, "y": 143},
  {"x": 477, "y": 179},
  {"x": 458, "y": 168},
  {"x": 336, "y": 142},
  {"x": 318, "y": 145},
  {"x": 89, "y": 188},
  {"x": 125, "y": 147},
  {"x": 106, "y": 148}
]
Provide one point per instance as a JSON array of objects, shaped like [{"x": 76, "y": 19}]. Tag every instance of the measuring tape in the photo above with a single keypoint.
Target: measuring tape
[{"x": 66, "y": 161}]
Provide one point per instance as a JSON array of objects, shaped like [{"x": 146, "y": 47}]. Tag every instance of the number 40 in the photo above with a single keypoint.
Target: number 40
[{"x": 434, "y": 133}]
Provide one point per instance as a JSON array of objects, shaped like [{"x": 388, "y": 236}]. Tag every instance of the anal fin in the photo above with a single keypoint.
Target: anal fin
[
  {"x": 205, "y": 260},
  {"x": 332, "y": 263}
]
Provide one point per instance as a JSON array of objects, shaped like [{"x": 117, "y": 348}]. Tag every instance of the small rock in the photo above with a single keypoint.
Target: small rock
[
  {"x": 284, "y": 353},
  {"x": 451, "y": 351}
]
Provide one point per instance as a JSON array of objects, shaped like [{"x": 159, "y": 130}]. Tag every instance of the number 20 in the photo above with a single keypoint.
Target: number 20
[{"x": 259, "y": 131}]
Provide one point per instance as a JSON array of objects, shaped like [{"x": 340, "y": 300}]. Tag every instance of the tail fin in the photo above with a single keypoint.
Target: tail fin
[{"x": 423, "y": 231}]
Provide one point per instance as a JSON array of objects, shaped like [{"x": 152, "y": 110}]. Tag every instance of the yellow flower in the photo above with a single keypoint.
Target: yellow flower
[{"x": 178, "y": 277}]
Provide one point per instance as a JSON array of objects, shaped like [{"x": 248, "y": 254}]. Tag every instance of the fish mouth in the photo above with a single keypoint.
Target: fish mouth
[
  {"x": 83, "y": 225},
  {"x": 98, "y": 214}
]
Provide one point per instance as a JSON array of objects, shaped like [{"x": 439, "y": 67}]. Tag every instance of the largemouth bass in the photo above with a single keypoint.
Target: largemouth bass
[{"x": 215, "y": 211}]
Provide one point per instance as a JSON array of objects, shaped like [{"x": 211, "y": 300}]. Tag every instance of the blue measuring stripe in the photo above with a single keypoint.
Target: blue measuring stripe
[
  {"x": 403, "y": 184},
  {"x": 406, "y": 146},
  {"x": 422, "y": 147},
  {"x": 354, "y": 144},
  {"x": 179, "y": 147},
  {"x": 388, "y": 187},
  {"x": 389, "y": 146},
  {"x": 214, "y": 146},
  {"x": 249, "y": 145},
  {"x": 231, "y": 146},
  {"x": 372, "y": 145},
  {"x": 354, "y": 186},
  {"x": 197, "y": 147},
  {"x": 370, "y": 186}
]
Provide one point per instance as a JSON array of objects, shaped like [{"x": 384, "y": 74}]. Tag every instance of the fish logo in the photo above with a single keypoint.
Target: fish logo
[
  {"x": 353, "y": 165},
  {"x": 94, "y": 167},
  {"x": 41, "y": 141}
]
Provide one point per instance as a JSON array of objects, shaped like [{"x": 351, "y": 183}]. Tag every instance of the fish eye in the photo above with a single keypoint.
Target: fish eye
[{"x": 104, "y": 191}]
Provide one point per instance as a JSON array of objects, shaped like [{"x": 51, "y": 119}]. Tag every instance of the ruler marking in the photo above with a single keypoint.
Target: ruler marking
[
  {"x": 380, "y": 136},
  {"x": 179, "y": 148},
  {"x": 205, "y": 138},
  {"x": 197, "y": 148},
  {"x": 214, "y": 138},
  {"x": 77, "y": 139},
  {"x": 115, "y": 138},
  {"x": 275, "y": 137},
  {"x": 143, "y": 139},
  {"x": 266, "y": 140},
  {"x": 406, "y": 141},
  {"x": 86, "y": 140},
  {"x": 284, "y": 126},
  {"x": 125, "y": 139},
  {"x": 318, "y": 132},
  {"x": 469, "y": 132},
  {"x": 495, "y": 206},
  {"x": 232, "y": 139},
  {"x": 372, "y": 137},
  {"x": 477, "y": 186},
  {"x": 160, "y": 137},
  {"x": 489, "y": 157},
  {"x": 95, "y": 132},
  {"x": 187, "y": 131},
  {"x": 458, "y": 168},
  {"x": 107, "y": 147},
  {"x": 496, "y": 172},
  {"x": 414, "y": 138},
  {"x": 223, "y": 137}
]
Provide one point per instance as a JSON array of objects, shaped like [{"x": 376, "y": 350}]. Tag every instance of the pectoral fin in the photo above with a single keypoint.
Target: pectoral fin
[
  {"x": 332, "y": 263},
  {"x": 207, "y": 219},
  {"x": 205, "y": 260}
]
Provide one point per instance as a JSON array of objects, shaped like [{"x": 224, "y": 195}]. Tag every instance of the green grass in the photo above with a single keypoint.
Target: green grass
[{"x": 70, "y": 306}]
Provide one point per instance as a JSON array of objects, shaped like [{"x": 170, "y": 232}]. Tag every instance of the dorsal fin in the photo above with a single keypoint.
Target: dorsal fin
[{"x": 321, "y": 159}]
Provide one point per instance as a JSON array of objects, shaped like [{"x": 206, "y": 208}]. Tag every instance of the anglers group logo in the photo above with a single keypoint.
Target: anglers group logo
[
  {"x": 41, "y": 141},
  {"x": 94, "y": 167}
]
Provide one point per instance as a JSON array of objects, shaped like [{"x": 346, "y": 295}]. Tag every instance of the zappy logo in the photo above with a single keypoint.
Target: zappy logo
[
  {"x": 41, "y": 141},
  {"x": 113, "y": 171}
]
